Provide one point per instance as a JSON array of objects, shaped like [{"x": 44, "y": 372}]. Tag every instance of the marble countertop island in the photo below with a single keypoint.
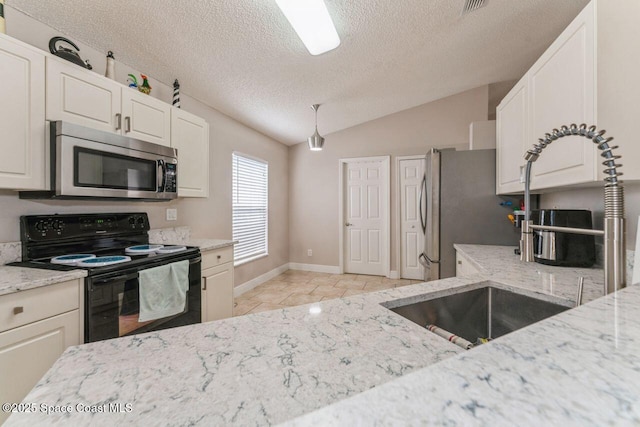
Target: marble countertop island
[{"x": 321, "y": 362}]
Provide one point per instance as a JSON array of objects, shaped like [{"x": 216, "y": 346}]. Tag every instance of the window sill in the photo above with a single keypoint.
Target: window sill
[{"x": 248, "y": 260}]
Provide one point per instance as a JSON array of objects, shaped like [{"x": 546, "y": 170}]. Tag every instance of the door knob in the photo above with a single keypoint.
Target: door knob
[{"x": 348, "y": 224}]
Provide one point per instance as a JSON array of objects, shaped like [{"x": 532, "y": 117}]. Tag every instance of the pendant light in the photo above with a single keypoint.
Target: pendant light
[{"x": 316, "y": 141}]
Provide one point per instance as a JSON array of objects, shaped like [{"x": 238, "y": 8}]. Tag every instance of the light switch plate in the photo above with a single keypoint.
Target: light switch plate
[{"x": 172, "y": 214}]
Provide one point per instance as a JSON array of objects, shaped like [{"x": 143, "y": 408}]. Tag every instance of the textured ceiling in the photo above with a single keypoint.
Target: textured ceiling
[{"x": 242, "y": 57}]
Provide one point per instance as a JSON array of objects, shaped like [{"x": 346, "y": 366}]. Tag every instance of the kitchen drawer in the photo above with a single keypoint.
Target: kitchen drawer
[
  {"x": 217, "y": 257},
  {"x": 22, "y": 308}
]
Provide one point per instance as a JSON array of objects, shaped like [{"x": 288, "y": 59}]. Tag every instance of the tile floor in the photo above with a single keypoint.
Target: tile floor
[{"x": 295, "y": 287}]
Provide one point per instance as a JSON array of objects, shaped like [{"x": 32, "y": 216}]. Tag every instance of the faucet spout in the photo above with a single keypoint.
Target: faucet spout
[{"x": 614, "y": 220}]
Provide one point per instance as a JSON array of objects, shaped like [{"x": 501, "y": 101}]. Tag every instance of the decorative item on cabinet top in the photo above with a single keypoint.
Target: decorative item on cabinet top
[
  {"x": 110, "y": 72},
  {"x": 176, "y": 94},
  {"x": 66, "y": 53},
  {"x": 144, "y": 88}
]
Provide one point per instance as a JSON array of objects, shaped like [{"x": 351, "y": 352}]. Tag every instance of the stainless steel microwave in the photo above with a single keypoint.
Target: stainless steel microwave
[{"x": 90, "y": 163}]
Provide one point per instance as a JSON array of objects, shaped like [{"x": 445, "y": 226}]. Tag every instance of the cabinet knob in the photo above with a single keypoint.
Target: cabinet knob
[
  {"x": 18, "y": 310},
  {"x": 460, "y": 262},
  {"x": 219, "y": 256}
]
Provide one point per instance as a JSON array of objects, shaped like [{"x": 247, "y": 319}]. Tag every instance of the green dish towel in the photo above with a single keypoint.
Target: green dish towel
[{"x": 163, "y": 290}]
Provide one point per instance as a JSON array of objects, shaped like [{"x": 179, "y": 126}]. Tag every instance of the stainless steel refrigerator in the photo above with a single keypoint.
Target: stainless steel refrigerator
[{"x": 458, "y": 204}]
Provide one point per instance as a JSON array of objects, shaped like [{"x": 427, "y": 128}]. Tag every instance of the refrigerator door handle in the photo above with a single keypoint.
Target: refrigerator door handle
[
  {"x": 422, "y": 259},
  {"x": 423, "y": 222}
]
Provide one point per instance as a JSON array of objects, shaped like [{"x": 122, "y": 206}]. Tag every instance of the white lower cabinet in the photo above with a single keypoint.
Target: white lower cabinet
[
  {"x": 37, "y": 326},
  {"x": 217, "y": 284},
  {"x": 464, "y": 267}
]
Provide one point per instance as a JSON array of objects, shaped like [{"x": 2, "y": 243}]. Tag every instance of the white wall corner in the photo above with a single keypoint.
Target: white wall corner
[
  {"x": 394, "y": 275},
  {"x": 317, "y": 268},
  {"x": 247, "y": 286}
]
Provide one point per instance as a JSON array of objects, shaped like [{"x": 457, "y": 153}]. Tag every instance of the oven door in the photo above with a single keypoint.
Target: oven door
[
  {"x": 95, "y": 169},
  {"x": 112, "y": 305}
]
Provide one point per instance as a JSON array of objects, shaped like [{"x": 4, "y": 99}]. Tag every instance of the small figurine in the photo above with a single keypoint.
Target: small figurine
[
  {"x": 145, "y": 88},
  {"x": 132, "y": 81},
  {"x": 176, "y": 94},
  {"x": 111, "y": 66}
]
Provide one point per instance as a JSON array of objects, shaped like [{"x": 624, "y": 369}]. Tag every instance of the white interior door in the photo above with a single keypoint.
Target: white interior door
[
  {"x": 411, "y": 236},
  {"x": 366, "y": 215}
]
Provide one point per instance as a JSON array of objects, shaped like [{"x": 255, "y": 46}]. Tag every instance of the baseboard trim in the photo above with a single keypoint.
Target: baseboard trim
[
  {"x": 317, "y": 268},
  {"x": 394, "y": 275},
  {"x": 248, "y": 285}
]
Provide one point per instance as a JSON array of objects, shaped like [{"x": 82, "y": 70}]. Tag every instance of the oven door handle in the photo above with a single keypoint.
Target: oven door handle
[
  {"x": 162, "y": 176},
  {"x": 121, "y": 278}
]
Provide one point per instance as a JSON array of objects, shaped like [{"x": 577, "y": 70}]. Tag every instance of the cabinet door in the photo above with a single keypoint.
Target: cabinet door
[
  {"x": 463, "y": 267},
  {"x": 27, "y": 353},
  {"x": 217, "y": 292},
  {"x": 511, "y": 138},
  {"x": 22, "y": 125},
  {"x": 562, "y": 91},
  {"x": 190, "y": 135},
  {"x": 145, "y": 118},
  {"x": 81, "y": 96}
]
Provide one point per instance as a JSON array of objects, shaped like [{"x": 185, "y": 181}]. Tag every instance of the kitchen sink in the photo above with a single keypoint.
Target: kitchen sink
[{"x": 479, "y": 314}]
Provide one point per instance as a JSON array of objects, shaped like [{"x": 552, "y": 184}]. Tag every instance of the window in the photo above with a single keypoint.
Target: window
[{"x": 250, "y": 196}]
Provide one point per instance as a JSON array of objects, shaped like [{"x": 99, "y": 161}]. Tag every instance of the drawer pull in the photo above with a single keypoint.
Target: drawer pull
[
  {"x": 459, "y": 262},
  {"x": 219, "y": 256},
  {"x": 18, "y": 310}
]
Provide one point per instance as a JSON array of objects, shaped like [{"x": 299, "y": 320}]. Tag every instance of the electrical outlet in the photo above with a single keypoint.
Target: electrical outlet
[
  {"x": 309, "y": 252},
  {"x": 172, "y": 214}
]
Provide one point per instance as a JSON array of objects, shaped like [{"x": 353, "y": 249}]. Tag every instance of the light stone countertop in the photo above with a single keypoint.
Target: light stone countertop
[
  {"x": 15, "y": 279},
  {"x": 319, "y": 361},
  {"x": 182, "y": 236}
]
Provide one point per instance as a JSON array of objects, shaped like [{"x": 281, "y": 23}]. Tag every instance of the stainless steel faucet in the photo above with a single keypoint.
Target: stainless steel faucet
[{"x": 614, "y": 222}]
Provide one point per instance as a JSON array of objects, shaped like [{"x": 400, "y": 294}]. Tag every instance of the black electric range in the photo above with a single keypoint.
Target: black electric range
[{"x": 111, "y": 290}]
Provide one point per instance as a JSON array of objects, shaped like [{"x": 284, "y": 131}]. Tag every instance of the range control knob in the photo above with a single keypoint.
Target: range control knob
[
  {"x": 141, "y": 221},
  {"x": 58, "y": 225}
]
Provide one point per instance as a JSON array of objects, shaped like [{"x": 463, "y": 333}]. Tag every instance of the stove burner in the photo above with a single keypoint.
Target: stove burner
[
  {"x": 171, "y": 249},
  {"x": 142, "y": 249},
  {"x": 103, "y": 261},
  {"x": 71, "y": 259}
]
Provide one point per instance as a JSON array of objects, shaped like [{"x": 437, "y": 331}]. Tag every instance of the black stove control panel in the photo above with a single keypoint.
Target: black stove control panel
[{"x": 45, "y": 228}]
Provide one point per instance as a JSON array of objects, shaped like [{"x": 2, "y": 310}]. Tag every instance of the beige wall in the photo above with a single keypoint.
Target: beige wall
[
  {"x": 207, "y": 217},
  {"x": 313, "y": 185}
]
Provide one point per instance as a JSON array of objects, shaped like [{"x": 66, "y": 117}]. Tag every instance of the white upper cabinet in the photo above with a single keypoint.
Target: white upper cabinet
[
  {"x": 190, "y": 135},
  {"x": 511, "y": 122},
  {"x": 82, "y": 96},
  {"x": 562, "y": 92},
  {"x": 585, "y": 76},
  {"x": 145, "y": 118},
  {"x": 22, "y": 125}
]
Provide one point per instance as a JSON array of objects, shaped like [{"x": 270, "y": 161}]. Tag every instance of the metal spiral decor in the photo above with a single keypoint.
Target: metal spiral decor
[{"x": 614, "y": 194}]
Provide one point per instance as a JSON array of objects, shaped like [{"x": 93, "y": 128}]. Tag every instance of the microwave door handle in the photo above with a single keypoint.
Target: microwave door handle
[{"x": 161, "y": 176}]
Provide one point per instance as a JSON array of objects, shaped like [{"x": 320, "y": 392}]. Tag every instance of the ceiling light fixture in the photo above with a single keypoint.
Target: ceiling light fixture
[
  {"x": 315, "y": 141},
  {"x": 311, "y": 20}
]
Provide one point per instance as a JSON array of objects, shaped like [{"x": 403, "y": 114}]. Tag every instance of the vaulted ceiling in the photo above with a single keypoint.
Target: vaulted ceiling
[{"x": 242, "y": 57}]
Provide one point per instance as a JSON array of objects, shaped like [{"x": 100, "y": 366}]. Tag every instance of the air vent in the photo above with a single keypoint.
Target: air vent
[{"x": 471, "y": 5}]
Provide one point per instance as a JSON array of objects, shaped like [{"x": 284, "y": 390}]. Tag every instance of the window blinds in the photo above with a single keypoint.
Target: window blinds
[{"x": 250, "y": 196}]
